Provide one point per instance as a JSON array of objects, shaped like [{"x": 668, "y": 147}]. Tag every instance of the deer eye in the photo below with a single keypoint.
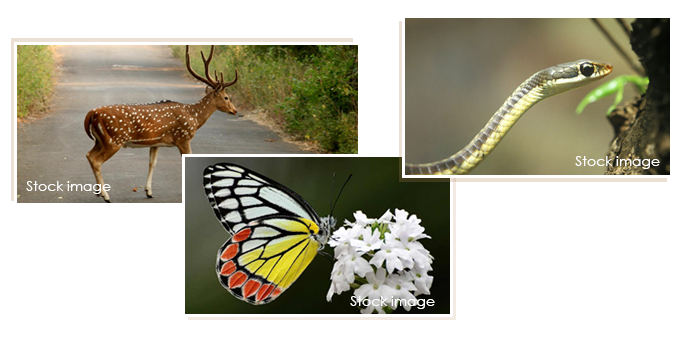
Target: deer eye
[{"x": 226, "y": 98}]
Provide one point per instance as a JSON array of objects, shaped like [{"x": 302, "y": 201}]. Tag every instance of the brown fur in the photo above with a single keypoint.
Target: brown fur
[{"x": 160, "y": 124}]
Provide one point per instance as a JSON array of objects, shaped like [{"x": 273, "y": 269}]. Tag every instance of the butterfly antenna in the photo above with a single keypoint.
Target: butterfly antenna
[
  {"x": 340, "y": 193},
  {"x": 334, "y": 175}
]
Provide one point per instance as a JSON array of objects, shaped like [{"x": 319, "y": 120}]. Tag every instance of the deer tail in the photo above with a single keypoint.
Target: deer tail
[{"x": 87, "y": 124}]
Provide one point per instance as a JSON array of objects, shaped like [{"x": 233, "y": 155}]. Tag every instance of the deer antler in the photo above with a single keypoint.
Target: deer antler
[
  {"x": 208, "y": 80},
  {"x": 236, "y": 78}
]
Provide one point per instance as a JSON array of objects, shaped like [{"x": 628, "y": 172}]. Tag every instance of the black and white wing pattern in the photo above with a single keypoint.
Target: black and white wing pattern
[{"x": 239, "y": 195}]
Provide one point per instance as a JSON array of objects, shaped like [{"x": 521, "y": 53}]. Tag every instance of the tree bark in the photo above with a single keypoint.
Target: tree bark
[{"x": 642, "y": 127}]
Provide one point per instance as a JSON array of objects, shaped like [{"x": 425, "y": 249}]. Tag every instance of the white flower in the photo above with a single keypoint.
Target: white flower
[
  {"x": 339, "y": 282},
  {"x": 371, "y": 241},
  {"x": 421, "y": 279},
  {"x": 386, "y": 218},
  {"x": 402, "y": 285},
  {"x": 375, "y": 289},
  {"x": 389, "y": 243},
  {"x": 362, "y": 219},
  {"x": 352, "y": 263},
  {"x": 415, "y": 253},
  {"x": 341, "y": 240},
  {"x": 407, "y": 229},
  {"x": 391, "y": 253},
  {"x": 400, "y": 215}
]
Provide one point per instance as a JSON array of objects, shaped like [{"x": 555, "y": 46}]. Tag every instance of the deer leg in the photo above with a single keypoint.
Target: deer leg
[
  {"x": 96, "y": 157},
  {"x": 184, "y": 147},
  {"x": 152, "y": 160},
  {"x": 95, "y": 167}
]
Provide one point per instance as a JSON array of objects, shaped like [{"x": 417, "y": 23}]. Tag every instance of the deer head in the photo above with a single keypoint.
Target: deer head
[{"x": 216, "y": 88}]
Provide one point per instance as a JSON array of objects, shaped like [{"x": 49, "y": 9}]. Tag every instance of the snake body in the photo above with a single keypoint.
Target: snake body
[{"x": 543, "y": 84}]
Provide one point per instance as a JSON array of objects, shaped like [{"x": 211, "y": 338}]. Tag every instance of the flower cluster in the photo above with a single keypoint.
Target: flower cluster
[{"x": 382, "y": 260}]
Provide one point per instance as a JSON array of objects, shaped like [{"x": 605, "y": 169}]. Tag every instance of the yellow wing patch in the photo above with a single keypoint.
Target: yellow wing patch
[{"x": 283, "y": 254}]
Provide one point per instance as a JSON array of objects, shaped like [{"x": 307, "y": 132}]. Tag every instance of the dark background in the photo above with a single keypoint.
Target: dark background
[{"x": 374, "y": 188}]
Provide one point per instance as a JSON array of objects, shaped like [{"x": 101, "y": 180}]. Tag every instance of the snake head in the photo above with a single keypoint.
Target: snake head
[{"x": 565, "y": 77}]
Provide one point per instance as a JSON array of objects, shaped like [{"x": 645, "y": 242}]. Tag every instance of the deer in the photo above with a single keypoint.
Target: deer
[{"x": 161, "y": 124}]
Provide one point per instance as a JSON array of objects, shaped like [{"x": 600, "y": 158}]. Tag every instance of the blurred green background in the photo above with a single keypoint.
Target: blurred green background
[
  {"x": 458, "y": 72},
  {"x": 374, "y": 188}
]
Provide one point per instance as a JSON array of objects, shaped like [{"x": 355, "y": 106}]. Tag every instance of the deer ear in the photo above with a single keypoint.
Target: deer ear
[{"x": 208, "y": 89}]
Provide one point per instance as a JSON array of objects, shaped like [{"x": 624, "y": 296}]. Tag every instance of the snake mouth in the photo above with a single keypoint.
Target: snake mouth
[{"x": 608, "y": 68}]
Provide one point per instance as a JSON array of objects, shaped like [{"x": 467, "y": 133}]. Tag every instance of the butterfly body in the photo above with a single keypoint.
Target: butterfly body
[{"x": 274, "y": 233}]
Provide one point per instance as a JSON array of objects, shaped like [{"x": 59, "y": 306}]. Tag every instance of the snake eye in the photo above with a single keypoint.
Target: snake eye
[{"x": 587, "y": 69}]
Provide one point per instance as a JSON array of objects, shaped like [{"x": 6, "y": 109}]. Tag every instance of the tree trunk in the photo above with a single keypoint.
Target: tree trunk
[{"x": 642, "y": 127}]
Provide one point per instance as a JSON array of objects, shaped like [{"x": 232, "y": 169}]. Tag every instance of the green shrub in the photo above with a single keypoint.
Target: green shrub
[
  {"x": 311, "y": 91},
  {"x": 324, "y": 102},
  {"x": 34, "y": 78}
]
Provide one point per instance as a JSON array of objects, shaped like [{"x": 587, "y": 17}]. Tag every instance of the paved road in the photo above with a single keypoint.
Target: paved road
[{"x": 53, "y": 148}]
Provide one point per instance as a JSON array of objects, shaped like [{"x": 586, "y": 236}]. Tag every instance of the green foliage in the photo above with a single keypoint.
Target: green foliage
[
  {"x": 34, "y": 78},
  {"x": 615, "y": 85},
  {"x": 298, "y": 52},
  {"x": 324, "y": 102},
  {"x": 311, "y": 91}
]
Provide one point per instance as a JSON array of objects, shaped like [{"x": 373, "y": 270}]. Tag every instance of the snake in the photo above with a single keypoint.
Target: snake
[{"x": 541, "y": 85}]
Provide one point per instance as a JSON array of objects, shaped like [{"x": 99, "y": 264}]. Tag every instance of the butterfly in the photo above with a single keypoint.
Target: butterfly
[{"x": 274, "y": 232}]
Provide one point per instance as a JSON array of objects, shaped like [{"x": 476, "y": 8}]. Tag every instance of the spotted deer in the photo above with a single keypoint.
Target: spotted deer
[{"x": 160, "y": 124}]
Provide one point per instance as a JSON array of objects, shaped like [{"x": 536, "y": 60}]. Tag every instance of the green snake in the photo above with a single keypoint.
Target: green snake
[{"x": 543, "y": 84}]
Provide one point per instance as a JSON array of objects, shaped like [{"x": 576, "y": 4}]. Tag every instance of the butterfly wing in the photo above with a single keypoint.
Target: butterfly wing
[
  {"x": 260, "y": 262},
  {"x": 239, "y": 195},
  {"x": 272, "y": 232}
]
